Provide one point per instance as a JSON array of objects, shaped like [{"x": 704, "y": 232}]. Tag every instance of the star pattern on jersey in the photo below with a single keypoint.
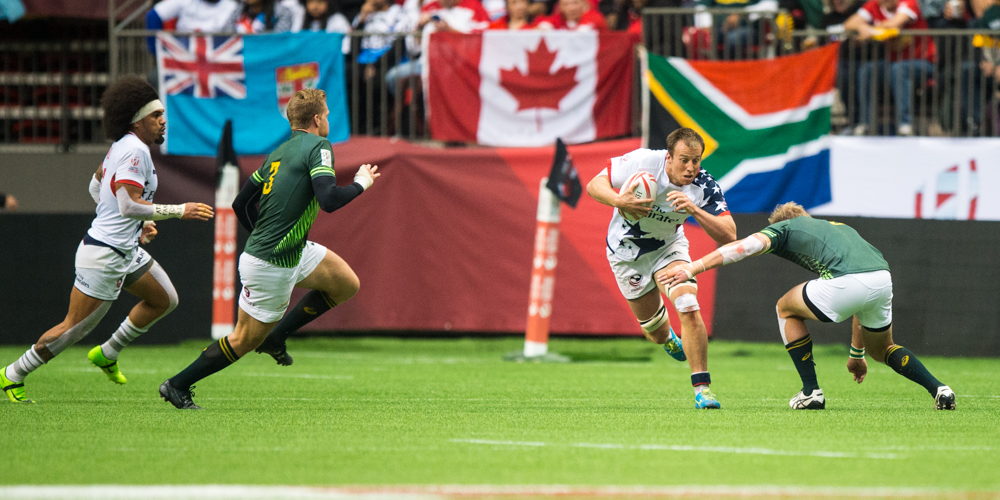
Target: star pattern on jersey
[
  {"x": 636, "y": 236},
  {"x": 710, "y": 190}
]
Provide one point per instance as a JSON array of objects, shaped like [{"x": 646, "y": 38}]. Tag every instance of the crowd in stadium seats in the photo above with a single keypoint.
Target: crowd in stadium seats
[{"x": 906, "y": 64}]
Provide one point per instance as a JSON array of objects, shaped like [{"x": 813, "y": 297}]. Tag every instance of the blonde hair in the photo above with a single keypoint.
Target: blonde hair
[
  {"x": 787, "y": 211},
  {"x": 304, "y": 105},
  {"x": 689, "y": 136}
]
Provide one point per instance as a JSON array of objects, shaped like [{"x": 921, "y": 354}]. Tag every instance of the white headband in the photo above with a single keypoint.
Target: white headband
[{"x": 150, "y": 106}]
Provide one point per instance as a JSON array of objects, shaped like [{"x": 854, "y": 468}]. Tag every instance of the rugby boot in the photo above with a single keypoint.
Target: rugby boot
[
  {"x": 945, "y": 399},
  {"x": 108, "y": 366},
  {"x": 13, "y": 390},
  {"x": 814, "y": 401},
  {"x": 278, "y": 352},
  {"x": 180, "y": 399},
  {"x": 674, "y": 347},
  {"x": 705, "y": 400}
]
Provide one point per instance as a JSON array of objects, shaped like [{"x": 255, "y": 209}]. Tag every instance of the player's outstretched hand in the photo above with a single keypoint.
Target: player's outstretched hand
[
  {"x": 676, "y": 275},
  {"x": 859, "y": 368},
  {"x": 197, "y": 211},
  {"x": 366, "y": 176},
  {"x": 148, "y": 232},
  {"x": 628, "y": 203}
]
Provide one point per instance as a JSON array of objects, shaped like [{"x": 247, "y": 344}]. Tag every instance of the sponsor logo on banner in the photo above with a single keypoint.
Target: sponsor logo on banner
[
  {"x": 951, "y": 194},
  {"x": 291, "y": 79}
]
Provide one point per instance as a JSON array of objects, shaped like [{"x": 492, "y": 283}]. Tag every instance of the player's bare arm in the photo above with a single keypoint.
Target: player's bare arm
[
  {"x": 755, "y": 244},
  {"x": 134, "y": 207},
  {"x": 721, "y": 228},
  {"x": 600, "y": 189}
]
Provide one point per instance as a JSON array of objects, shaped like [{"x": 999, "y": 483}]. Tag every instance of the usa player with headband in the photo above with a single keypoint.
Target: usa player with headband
[
  {"x": 650, "y": 242},
  {"x": 109, "y": 257}
]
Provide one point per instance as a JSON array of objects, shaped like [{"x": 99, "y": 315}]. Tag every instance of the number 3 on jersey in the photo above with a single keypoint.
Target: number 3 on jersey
[{"x": 270, "y": 180}]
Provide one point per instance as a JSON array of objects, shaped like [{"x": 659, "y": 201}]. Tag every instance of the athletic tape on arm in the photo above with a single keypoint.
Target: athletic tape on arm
[
  {"x": 129, "y": 208},
  {"x": 741, "y": 250},
  {"x": 95, "y": 189}
]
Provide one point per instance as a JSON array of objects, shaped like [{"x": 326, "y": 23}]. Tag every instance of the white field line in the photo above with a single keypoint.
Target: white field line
[
  {"x": 445, "y": 492},
  {"x": 709, "y": 449},
  {"x": 300, "y": 375}
]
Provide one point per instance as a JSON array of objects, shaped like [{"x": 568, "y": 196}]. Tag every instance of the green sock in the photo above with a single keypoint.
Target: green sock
[
  {"x": 314, "y": 304},
  {"x": 801, "y": 352},
  {"x": 215, "y": 357},
  {"x": 906, "y": 364}
]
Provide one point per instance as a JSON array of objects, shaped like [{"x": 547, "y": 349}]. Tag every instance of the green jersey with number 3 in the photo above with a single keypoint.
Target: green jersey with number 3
[
  {"x": 830, "y": 249},
  {"x": 288, "y": 204}
]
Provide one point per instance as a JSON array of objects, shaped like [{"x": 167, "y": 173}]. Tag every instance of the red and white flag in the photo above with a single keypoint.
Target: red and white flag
[{"x": 527, "y": 88}]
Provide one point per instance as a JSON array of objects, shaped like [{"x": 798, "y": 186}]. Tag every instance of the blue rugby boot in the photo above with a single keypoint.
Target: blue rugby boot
[
  {"x": 705, "y": 400},
  {"x": 674, "y": 347}
]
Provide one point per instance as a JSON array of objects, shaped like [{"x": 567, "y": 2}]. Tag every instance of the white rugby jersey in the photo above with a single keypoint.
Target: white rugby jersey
[
  {"x": 196, "y": 15},
  {"x": 127, "y": 162},
  {"x": 630, "y": 240}
]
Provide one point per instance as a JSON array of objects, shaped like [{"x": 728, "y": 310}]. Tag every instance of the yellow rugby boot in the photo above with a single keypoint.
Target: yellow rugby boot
[
  {"x": 109, "y": 367},
  {"x": 14, "y": 390}
]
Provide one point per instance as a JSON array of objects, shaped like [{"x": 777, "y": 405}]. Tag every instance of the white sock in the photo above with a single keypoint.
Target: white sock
[
  {"x": 27, "y": 363},
  {"x": 122, "y": 337},
  {"x": 698, "y": 388}
]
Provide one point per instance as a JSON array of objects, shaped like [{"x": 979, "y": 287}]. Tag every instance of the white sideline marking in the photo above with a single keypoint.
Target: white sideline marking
[
  {"x": 445, "y": 492},
  {"x": 710, "y": 449},
  {"x": 301, "y": 375}
]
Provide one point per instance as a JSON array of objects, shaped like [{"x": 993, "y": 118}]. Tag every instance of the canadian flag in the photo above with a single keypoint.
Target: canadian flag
[{"x": 527, "y": 88}]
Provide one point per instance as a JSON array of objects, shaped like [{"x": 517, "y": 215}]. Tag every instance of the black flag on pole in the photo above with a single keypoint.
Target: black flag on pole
[
  {"x": 564, "y": 182},
  {"x": 226, "y": 154}
]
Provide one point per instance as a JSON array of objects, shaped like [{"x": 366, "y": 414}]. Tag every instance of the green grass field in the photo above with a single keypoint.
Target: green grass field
[{"x": 375, "y": 412}]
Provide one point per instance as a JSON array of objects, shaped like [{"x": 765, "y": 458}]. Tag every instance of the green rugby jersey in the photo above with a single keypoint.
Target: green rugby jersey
[
  {"x": 288, "y": 204},
  {"x": 830, "y": 249}
]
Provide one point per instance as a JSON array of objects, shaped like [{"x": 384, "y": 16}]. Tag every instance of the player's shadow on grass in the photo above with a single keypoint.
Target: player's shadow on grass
[{"x": 612, "y": 356}]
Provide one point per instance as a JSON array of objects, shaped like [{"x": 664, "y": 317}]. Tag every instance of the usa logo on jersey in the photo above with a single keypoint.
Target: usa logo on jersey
[{"x": 203, "y": 66}]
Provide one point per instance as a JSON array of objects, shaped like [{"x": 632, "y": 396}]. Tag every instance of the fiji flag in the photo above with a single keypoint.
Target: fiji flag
[
  {"x": 766, "y": 123},
  {"x": 207, "y": 80}
]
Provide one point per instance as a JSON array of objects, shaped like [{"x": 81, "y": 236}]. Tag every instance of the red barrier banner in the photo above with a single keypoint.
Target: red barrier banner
[{"x": 445, "y": 239}]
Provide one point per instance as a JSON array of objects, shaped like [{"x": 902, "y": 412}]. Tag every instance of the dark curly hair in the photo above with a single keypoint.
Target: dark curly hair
[{"x": 121, "y": 102}]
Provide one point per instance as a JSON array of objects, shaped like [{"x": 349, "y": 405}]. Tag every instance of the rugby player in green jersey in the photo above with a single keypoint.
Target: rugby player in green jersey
[
  {"x": 854, "y": 281},
  {"x": 295, "y": 182}
]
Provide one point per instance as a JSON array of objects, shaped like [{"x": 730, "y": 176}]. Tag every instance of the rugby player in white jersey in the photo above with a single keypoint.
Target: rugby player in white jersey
[
  {"x": 109, "y": 257},
  {"x": 639, "y": 251}
]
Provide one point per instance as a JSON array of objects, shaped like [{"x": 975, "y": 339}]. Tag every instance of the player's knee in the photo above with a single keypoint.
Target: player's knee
[
  {"x": 656, "y": 327},
  {"x": 686, "y": 303}
]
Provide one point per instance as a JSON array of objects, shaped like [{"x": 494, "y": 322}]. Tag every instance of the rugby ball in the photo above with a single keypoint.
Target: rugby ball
[{"x": 645, "y": 189}]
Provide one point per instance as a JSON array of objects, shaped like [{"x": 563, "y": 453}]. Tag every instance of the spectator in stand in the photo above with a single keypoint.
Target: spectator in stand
[
  {"x": 574, "y": 15},
  {"x": 323, "y": 15},
  {"x": 944, "y": 14},
  {"x": 910, "y": 59},
  {"x": 496, "y": 9},
  {"x": 738, "y": 32},
  {"x": 378, "y": 16},
  {"x": 983, "y": 71},
  {"x": 8, "y": 202},
  {"x": 542, "y": 8},
  {"x": 298, "y": 11},
  {"x": 517, "y": 17},
  {"x": 260, "y": 16},
  {"x": 461, "y": 16},
  {"x": 626, "y": 16},
  {"x": 190, "y": 16}
]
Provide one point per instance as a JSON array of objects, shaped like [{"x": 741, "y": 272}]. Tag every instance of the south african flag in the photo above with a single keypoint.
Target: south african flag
[{"x": 766, "y": 123}]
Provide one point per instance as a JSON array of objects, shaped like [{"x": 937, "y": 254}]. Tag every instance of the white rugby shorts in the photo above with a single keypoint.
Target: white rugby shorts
[
  {"x": 867, "y": 295},
  {"x": 101, "y": 271},
  {"x": 635, "y": 278},
  {"x": 267, "y": 288}
]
